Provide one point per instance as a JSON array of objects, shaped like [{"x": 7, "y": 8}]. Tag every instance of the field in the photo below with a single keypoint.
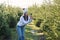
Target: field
[{"x": 28, "y": 34}]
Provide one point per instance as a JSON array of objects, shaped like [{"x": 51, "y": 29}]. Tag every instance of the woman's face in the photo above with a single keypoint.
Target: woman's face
[{"x": 25, "y": 14}]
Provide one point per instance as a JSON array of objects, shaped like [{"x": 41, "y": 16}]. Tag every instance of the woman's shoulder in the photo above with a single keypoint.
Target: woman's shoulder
[{"x": 21, "y": 17}]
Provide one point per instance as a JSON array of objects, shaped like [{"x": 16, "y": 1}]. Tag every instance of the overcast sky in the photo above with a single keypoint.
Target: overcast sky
[{"x": 22, "y": 3}]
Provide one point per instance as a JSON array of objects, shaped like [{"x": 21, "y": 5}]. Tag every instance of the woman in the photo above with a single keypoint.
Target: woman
[{"x": 24, "y": 20}]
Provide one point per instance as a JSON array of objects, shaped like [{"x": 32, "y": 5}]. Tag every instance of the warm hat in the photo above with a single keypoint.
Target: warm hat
[{"x": 25, "y": 10}]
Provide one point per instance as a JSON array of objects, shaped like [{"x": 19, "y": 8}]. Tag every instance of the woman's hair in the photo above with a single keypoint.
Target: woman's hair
[
  {"x": 25, "y": 18},
  {"x": 23, "y": 8},
  {"x": 24, "y": 12}
]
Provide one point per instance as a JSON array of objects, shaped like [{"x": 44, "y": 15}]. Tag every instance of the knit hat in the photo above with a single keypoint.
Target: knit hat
[{"x": 25, "y": 10}]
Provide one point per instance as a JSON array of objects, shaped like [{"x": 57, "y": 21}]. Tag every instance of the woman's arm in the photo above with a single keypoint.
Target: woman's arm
[
  {"x": 30, "y": 19},
  {"x": 23, "y": 21}
]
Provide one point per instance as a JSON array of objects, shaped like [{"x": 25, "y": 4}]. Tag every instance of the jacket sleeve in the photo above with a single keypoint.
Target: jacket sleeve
[
  {"x": 23, "y": 21},
  {"x": 30, "y": 20}
]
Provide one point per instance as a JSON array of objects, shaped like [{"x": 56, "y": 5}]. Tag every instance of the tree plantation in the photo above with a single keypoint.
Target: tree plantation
[{"x": 46, "y": 18}]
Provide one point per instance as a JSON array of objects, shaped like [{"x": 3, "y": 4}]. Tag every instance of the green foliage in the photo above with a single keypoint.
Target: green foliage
[
  {"x": 4, "y": 29},
  {"x": 46, "y": 17},
  {"x": 51, "y": 16},
  {"x": 38, "y": 22},
  {"x": 8, "y": 19}
]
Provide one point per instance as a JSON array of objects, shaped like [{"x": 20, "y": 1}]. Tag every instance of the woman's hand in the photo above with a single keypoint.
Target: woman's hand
[{"x": 31, "y": 17}]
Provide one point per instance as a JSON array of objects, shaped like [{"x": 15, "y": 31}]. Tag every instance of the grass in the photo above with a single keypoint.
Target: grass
[{"x": 28, "y": 34}]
